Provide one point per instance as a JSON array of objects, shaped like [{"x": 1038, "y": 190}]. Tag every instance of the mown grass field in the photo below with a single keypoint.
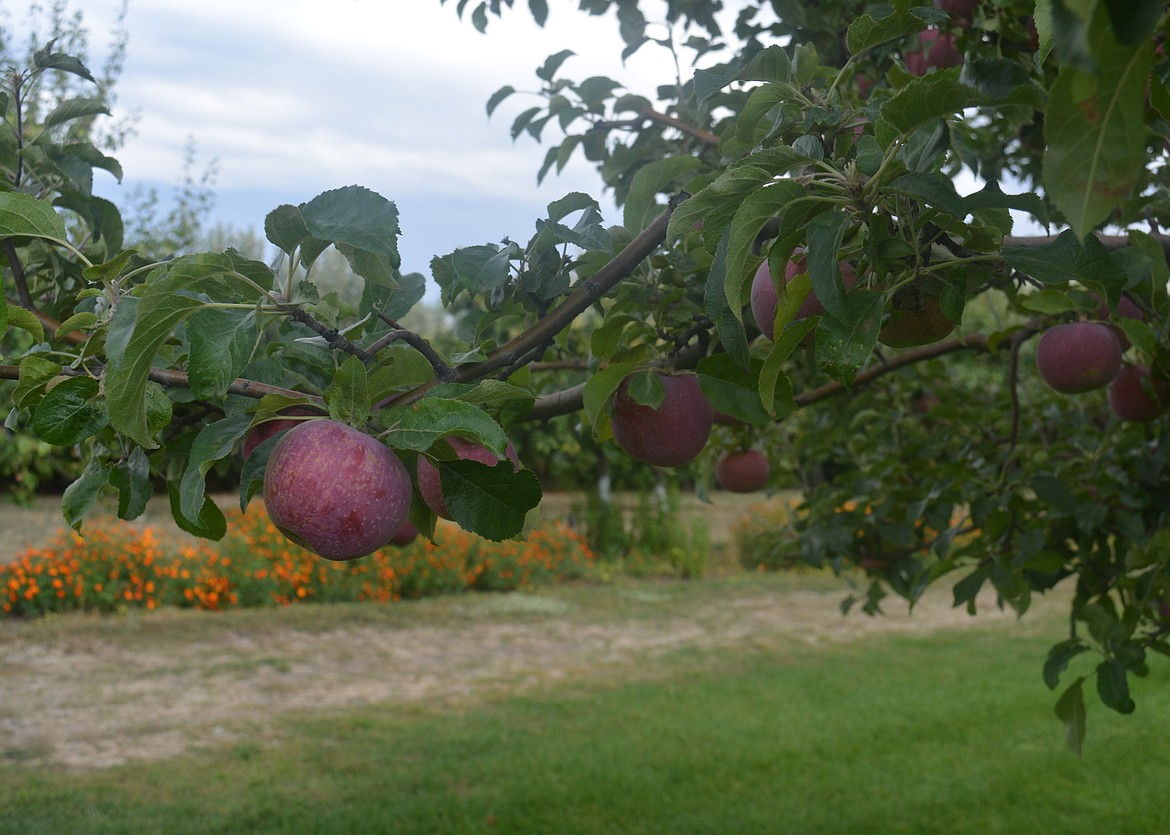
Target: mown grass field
[{"x": 790, "y": 726}]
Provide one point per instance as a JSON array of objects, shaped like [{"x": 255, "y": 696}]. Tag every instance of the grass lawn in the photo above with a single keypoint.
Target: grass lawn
[{"x": 949, "y": 732}]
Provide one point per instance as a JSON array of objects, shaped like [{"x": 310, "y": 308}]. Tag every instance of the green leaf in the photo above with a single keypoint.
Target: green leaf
[
  {"x": 992, "y": 197},
  {"x": 600, "y": 389},
  {"x": 844, "y": 340},
  {"x": 650, "y": 180},
  {"x": 157, "y": 315},
  {"x": 490, "y": 501},
  {"x": 131, "y": 478},
  {"x": 79, "y": 497},
  {"x": 757, "y": 208},
  {"x": 728, "y": 318},
  {"x": 71, "y": 109},
  {"x": 553, "y": 63},
  {"x": 70, "y": 412},
  {"x": 1094, "y": 128},
  {"x": 1047, "y": 301},
  {"x": 1070, "y": 709},
  {"x": 252, "y": 471},
  {"x": 24, "y": 215},
  {"x": 485, "y": 267},
  {"x": 824, "y": 234},
  {"x": 221, "y": 342},
  {"x": 932, "y": 189},
  {"x": 865, "y": 32},
  {"x": 214, "y": 442},
  {"x": 1058, "y": 659},
  {"x": 775, "y": 388},
  {"x": 933, "y": 96},
  {"x": 356, "y": 216},
  {"x": 732, "y": 390},
  {"x": 1066, "y": 259},
  {"x": 43, "y": 59},
  {"x": 498, "y": 96},
  {"x": 1134, "y": 21},
  {"x": 18, "y": 317},
  {"x": 78, "y": 321},
  {"x": 210, "y": 523},
  {"x": 421, "y": 425},
  {"x": 348, "y": 396},
  {"x": 35, "y": 373},
  {"x": 1113, "y": 686},
  {"x": 3, "y": 313},
  {"x": 285, "y": 228}
]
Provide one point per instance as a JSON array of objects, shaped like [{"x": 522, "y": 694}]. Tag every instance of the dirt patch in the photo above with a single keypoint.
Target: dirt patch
[{"x": 86, "y": 700}]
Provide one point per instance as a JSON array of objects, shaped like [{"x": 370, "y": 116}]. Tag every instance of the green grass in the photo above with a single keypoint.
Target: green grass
[{"x": 952, "y": 732}]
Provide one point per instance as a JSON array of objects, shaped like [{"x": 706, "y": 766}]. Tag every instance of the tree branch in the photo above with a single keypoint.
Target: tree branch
[
  {"x": 649, "y": 114},
  {"x": 18, "y": 275},
  {"x": 585, "y": 294},
  {"x": 179, "y": 379}
]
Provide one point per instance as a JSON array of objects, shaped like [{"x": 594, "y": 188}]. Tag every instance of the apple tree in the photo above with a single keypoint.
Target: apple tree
[{"x": 917, "y": 246}]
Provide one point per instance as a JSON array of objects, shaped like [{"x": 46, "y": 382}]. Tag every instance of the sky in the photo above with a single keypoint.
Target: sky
[{"x": 294, "y": 97}]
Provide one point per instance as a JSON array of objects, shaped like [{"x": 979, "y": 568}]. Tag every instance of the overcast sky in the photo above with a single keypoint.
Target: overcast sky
[{"x": 293, "y": 97}]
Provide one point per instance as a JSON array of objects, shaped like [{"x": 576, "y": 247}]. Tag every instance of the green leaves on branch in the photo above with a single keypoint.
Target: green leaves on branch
[
  {"x": 490, "y": 501},
  {"x": 1094, "y": 127}
]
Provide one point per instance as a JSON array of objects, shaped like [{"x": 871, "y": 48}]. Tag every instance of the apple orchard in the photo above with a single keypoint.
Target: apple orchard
[{"x": 970, "y": 386}]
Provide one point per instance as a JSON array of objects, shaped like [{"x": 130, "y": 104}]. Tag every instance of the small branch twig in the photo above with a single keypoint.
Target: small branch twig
[
  {"x": 18, "y": 275},
  {"x": 649, "y": 114},
  {"x": 443, "y": 371}
]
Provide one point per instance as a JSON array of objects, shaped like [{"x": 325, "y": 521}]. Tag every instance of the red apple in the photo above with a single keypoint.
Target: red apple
[
  {"x": 743, "y": 471},
  {"x": 261, "y": 432},
  {"x": 407, "y": 534},
  {"x": 764, "y": 297},
  {"x": 1076, "y": 357},
  {"x": 335, "y": 490},
  {"x": 430, "y": 484},
  {"x": 961, "y": 10},
  {"x": 916, "y": 318},
  {"x": 935, "y": 50},
  {"x": 724, "y": 419},
  {"x": 1138, "y": 397},
  {"x": 669, "y": 436}
]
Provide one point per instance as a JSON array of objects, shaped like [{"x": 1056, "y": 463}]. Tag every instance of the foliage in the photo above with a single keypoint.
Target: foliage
[
  {"x": 116, "y": 567},
  {"x": 800, "y": 127}
]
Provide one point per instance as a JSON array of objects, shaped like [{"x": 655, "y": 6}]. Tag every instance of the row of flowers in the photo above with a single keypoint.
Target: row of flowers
[{"x": 116, "y": 566}]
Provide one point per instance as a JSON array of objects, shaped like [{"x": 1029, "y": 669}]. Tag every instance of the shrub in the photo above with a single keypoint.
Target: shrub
[{"x": 116, "y": 566}]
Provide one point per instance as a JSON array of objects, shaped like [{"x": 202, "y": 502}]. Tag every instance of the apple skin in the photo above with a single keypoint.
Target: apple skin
[
  {"x": 262, "y": 432},
  {"x": 430, "y": 484},
  {"x": 935, "y": 49},
  {"x": 1076, "y": 357},
  {"x": 407, "y": 534},
  {"x": 1129, "y": 399},
  {"x": 669, "y": 436},
  {"x": 743, "y": 471},
  {"x": 764, "y": 297},
  {"x": 916, "y": 318},
  {"x": 334, "y": 490}
]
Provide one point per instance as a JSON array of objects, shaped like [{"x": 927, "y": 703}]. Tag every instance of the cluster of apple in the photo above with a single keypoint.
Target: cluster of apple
[{"x": 1077, "y": 357}]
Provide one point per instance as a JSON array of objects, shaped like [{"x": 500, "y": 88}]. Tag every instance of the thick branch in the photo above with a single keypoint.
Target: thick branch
[{"x": 586, "y": 293}]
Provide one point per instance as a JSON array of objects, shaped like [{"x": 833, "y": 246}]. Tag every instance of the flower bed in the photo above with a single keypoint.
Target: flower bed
[{"x": 117, "y": 566}]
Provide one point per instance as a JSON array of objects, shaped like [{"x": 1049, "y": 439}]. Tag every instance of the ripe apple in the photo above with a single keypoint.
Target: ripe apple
[
  {"x": 430, "y": 484},
  {"x": 407, "y": 534},
  {"x": 1125, "y": 308},
  {"x": 335, "y": 490},
  {"x": 1130, "y": 394},
  {"x": 960, "y": 10},
  {"x": 935, "y": 49},
  {"x": 1076, "y": 357},
  {"x": 916, "y": 318},
  {"x": 669, "y": 436},
  {"x": 743, "y": 471},
  {"x": 764, "y": 297},
  {"x": 724, "y": 419},
  {"x": 262, "y": 432}
]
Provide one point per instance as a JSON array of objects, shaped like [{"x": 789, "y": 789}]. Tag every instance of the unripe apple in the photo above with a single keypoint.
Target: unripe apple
[
  {"x": 764, "y": 297},
  {"x": 407, "y": 534},
  {"x": 669, "y": 436},
  {"x": 263, "y": 431},
  {"x": 1076, "y": 357},
  {"x": 935, "y": 49},
  {"x": 430, "y": 484},
  {"x": 916, "y": 318},
  {"x": 1130, "y": 394},
  {"x": 743, "y": 471},
  {"x": 335, "y": 490}
]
